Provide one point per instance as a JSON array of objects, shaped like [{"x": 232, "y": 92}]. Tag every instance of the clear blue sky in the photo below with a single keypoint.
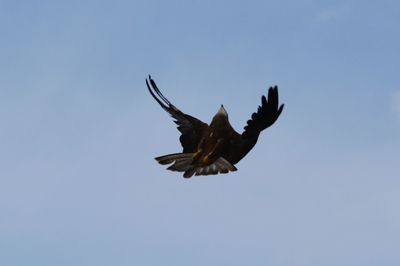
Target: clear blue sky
[{"x": 79, "y": 131}]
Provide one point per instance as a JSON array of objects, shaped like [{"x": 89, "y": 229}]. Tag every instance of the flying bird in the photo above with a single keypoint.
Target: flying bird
[{"x": 215, "y": 148}]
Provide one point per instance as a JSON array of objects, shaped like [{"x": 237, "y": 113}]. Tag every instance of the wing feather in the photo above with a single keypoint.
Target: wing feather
[
  {"x": 266, "y": 115},
  {"x": 190, "y": 127}
]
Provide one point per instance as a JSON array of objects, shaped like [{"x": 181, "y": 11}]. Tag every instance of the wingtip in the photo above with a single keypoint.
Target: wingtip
[
  {"x": 275, "y": 87},
  {"x": 149, "y": 80}
]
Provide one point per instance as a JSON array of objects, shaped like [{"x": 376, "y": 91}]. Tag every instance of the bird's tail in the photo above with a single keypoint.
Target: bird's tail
[{"x": 183, "y": 162}]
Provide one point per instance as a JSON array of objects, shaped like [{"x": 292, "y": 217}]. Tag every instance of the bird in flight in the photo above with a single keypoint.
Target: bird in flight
[{"x": 215, "y": 148}]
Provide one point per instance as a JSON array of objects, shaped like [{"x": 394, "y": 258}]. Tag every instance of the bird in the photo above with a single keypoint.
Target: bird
[{"x": 217, "y": 147}]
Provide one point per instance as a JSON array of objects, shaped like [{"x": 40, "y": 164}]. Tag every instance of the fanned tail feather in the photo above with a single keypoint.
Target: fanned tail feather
[
  {"x": 183, "y": 162},
  {"x": 170, "y": 158},
  {"x": 219, "y": 166}
]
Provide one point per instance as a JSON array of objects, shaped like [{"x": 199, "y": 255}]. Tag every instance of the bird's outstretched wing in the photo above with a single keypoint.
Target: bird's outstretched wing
[
  {"x": 190, "y": 127},
  {"x": 267, "y": 113}
]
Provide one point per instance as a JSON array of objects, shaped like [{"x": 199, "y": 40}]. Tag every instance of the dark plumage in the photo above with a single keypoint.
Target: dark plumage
[{"x": 215, "y": 148}]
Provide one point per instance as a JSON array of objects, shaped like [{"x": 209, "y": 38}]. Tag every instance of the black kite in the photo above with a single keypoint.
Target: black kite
[{"x": 215, "y": 148}]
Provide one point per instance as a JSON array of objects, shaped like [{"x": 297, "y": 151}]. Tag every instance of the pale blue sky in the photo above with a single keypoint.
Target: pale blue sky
[{"x": 79, "y": 131}]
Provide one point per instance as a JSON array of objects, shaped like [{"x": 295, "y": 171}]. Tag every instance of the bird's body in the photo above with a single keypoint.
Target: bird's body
[
  {"x": 214, "y": 140},
  {"x": 214, "y": 148}
]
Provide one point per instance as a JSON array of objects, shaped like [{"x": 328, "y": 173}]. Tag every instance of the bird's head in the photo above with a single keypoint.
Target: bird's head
[{"x": 222, "y": 111}]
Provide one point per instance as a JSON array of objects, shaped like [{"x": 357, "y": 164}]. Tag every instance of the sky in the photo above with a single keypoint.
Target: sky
[{"x": 79, "y": 132}]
